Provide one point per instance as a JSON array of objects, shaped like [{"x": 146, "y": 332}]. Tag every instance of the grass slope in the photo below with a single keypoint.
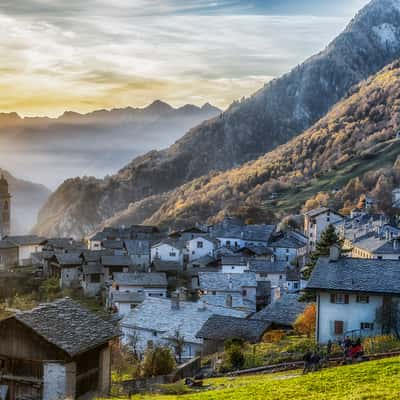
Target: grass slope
[{"x": 366, "y": 381}]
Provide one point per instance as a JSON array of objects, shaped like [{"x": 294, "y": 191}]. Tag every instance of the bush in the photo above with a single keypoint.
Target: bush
[
  {"x": 233, "y": 342},
  {"x": 274, "y": 336},
  {"x": 157, "y": 360},
  {"x": 381, "y": 344},
  {"x": 234, "y": 358}
]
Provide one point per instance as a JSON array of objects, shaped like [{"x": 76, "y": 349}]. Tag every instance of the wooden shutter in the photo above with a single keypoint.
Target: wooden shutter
[
  {"x": 346, "y": 299},
  {"x": 339, "y": 327}
]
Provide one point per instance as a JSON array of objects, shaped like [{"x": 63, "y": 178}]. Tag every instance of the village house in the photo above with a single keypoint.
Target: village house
[
  {"x": 291, "y": 247},
  {"x": 26, "y": 245},
  {"x": 283, "y": 312},
  {"x": 115, "y": 245},
  {"x": 8, "y": 254},
  {"x": 152, "y": 284},
  {"x": 316, "y": 221},
  {"x": 168, "y": 250},
  {"x": 234, "y": 265},
  {"x": 369, "y": 236},
  {"x": 139, "y": 252},
  {"x": 56, "y": 351},
  {"x": 188, "y": 234},
  {"x": 66, "y": 267},
  {"x": 199, "y": 247},
  {"x": 174, "y": 317},
  {"x": 115, "y": 264},
  {"x": 353, "y": 294},
  {"x": 219, "y": 328},
  {"x": 124, "y": 302},
  {"x": 92, "y": 279},
  {"x": 218, "y": 287},
  {"x": 239, "y": 236}
]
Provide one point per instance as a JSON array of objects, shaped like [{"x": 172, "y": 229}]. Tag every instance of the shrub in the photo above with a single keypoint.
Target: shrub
[
  {"x": 305, "y": 322},
  {"x": 233, "y": 342},
  {"x": 381, "y": 344},
  {"x": 157, "y": 360},
  {"x": 234, "y": 358},
  {"x": 274, "y": 336}
]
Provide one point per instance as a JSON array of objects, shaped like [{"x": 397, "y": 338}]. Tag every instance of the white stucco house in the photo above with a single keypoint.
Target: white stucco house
[
  {"x": 290, "y": 247},
  {"x": 350, "y": 295},
  {"x": 234, "y": 265},
  {"x": 168, "y": 250},
  {"x": 200, "y": 247},
  {"x": 316, "y": 221},
  {"x": 157, "y": 321}
]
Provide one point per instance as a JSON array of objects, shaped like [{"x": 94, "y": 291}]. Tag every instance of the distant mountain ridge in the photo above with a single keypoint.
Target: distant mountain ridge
[
  {"x": 27, "y": 199},
  {"x": 281, "y": 110},
  {"x": 99, "y": 143}
]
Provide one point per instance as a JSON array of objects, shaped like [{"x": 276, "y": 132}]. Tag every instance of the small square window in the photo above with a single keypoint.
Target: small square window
[{"x": 362, "y": 299}]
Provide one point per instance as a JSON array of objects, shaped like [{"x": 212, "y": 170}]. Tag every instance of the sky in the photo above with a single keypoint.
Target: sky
[{"x": 83, "y": 55}]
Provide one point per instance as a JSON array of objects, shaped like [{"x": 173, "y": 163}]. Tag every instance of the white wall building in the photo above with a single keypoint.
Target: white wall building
[
  {"x": 168, "y": 251},
  {"x": 200, "y": 247},
  {"x": 316, "y": 221},
  {"x": 350, "y": 293}
]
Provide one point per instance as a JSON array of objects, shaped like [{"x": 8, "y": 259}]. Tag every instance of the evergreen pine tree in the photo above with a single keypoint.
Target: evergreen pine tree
[{"x": 329, "y": 238}]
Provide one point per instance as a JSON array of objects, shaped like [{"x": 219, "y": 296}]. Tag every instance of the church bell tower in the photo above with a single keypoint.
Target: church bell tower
[{"x": 5, "y": 208}]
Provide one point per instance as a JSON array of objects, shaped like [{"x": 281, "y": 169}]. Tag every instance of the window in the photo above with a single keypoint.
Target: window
[
  {"x": 287, "y": 250},
  {"x": 339, "y": 298},
  {"x": 172, "y": 254},
  {"x": 213, "y": 292},
  {"x": 328, "y": 219},
  {"x": 154, "y": 333},
  {"x": 233, "y": 267},
  {"x": 362, "y": 299},
  {"x": 338, "y": 327},
  {"x": 228, "y": 243},
  {"x": 379, "y": 257},
  {"x": 132, "y": 306},
  {"x": 244, "y": 292},
  {"x": 367, "y": 325},
  {"x": 193, "y": 252},
  {"x": 280, "y": 276},
  {"x": 296, "y": 285},
  {"x": 95, "y": 278},
  {"x": 287, "y": 258},
  {"x": 199, "y": 245}
]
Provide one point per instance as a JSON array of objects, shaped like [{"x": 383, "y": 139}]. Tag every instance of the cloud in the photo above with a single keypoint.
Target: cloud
[{"x": 82, "y": 55}]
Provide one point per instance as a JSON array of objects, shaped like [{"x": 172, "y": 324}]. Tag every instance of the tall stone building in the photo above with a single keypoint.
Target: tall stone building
[{"x": 5, "y": 208}]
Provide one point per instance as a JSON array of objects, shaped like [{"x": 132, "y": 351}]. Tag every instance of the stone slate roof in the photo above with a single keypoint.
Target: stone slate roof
[
  {"x": 283, "y": 311},
  {"x": 317, "y": 211},
  {"x": 268, "y": 267},
  {"x": 7, "y": 244},
  {"x": 63, "y": 243},
  {"x": 166, "y": 266},
  {"x": 116, "y": 261},
  {"x": 219, "y": 281},
  {"x": 95, "y": 255},
  {"x": 127, "y": 297},
  {"x": 156, "y": 279},
  {"x": 222, "y": 327},
  {"x": 137, "y": 247},
  {"x": 258, "y": 233},
  {"x": 68, "y": 259},
  {"x": 68, "y": 326},
  {"x": 176, "y": 243},
  {"x": 26, "y": 240},
  {"x": 238, "y": 302},
  {"x": 356, "y": 275},
  {"x": 93, "y": 269},
  {"x": 228, "y": 260},
  {"x": 256, "y": 249},
  {"x": 113, "y": 244},
  {"x": 290, "y": 240},
  {"x": 156, "y": 314}
]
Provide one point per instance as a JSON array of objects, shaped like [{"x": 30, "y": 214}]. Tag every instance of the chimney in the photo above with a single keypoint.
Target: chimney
[
  {"x": 175, "y": 301},
  {"x": 229, "y": 301},
  {"x": 334, "y": 253},
  {"x": 202, "y": 306}
]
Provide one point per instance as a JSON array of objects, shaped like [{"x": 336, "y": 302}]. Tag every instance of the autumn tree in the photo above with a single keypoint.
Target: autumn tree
[
  {"x": 305, "y": 322},
  {"x": 158, "y": 360}
]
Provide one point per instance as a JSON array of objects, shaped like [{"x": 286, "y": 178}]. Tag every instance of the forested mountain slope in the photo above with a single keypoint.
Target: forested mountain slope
[{"x": 282, "y": 109}]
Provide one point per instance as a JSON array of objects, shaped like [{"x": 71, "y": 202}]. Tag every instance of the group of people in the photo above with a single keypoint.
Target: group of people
[
  {"x": 352, "y": 350},
  {"x": 312, "y": 362}
]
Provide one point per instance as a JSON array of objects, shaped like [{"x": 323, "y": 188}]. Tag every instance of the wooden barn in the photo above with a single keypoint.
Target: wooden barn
[{"x": 56, "y": 351}]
